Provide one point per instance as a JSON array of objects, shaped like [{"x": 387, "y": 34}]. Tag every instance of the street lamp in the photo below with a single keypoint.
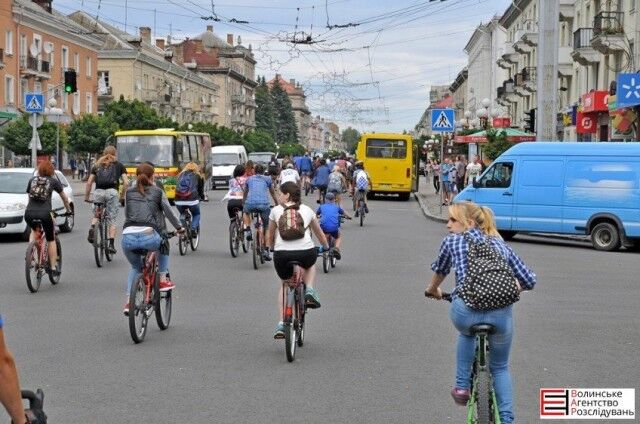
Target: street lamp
[{"x": 53, "y": 110}]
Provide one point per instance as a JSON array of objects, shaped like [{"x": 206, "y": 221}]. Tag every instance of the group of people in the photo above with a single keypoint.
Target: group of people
[{"x": 453, "y": 175}]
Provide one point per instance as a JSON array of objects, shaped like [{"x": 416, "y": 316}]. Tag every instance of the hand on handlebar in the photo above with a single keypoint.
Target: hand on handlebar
[
  {"x": 181, "y": 230},
  {"x": 434, "y": 293}
]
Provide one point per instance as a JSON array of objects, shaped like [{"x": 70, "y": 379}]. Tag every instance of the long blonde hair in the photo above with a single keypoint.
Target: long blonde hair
[
  {"x": 193, "y": 167},
  {"x": 471, "y": 214},
  {"x": 108, "y": 156}
]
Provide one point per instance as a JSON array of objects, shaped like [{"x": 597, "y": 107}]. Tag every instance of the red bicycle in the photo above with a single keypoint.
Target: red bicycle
[
  {"x": 145, "y": 297},
  {"x": 294, "y": 311},
  {"x": 37, "y": 257}
]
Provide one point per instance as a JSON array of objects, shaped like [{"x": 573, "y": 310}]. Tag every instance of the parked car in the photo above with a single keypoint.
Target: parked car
[{"x": 14, "y": 200}]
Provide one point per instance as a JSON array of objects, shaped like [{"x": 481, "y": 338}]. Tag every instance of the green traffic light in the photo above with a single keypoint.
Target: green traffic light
[{"x": 67, "y": 89}]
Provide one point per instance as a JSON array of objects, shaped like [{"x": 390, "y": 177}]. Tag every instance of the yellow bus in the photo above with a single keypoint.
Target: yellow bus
[
  {"x": 169, "y": 150},
  {"x": 392, "y": 162}
]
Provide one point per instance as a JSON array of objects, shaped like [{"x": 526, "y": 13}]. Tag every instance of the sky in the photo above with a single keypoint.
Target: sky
[{"x": 368, "y": 64}]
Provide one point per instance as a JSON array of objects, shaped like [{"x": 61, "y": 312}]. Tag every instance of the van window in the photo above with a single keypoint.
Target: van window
[
  {"x": 381, "y": 148},
  {"x": 498, "y": 176}
]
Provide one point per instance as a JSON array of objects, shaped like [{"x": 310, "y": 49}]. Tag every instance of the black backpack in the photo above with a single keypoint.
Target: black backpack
[
  {"x": 106, "y": 175},
  {"x": 40, "y": 189},
  {"x": 489, "y": 282}
]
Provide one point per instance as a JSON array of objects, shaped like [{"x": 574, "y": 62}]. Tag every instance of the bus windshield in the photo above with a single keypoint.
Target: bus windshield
[
  {"x": 136, "y": 149},
  {"x": 387, "y": 149}
]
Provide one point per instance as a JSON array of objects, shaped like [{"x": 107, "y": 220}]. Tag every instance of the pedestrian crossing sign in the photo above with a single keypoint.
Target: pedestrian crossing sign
[
  {"x": 442, "y": 120},
  {"x": 34, "y": 102}
]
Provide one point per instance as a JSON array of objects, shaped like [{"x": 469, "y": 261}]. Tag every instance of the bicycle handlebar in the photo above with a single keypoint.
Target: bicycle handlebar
[
  {"x": 56, "y": 214},
  {"x": 445, "y": 296},
  {"x": 36, "y": 400}
]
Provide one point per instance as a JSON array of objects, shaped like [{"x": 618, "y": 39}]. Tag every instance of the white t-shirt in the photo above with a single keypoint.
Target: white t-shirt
[
  {"x": 289, "y": 175},
  {"x": 473, "y": 170},
  {"x": 304, "y": 243}
]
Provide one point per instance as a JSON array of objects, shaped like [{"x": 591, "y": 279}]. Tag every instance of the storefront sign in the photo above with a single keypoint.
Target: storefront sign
[
  {"x": 595, "y": 101},
  {"x": 501, "y": 122},
  {"x": 586, "y": 123}
]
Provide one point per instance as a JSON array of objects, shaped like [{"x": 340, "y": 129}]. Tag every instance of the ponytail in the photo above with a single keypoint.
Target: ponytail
[
  {"x": 144, "y": 174},
  {"x": 487, "y": 223},
  {"x": 471, "y": 214}
]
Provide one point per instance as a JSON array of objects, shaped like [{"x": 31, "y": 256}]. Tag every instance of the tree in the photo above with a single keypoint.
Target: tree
[
  {"x": 259, "y": 141},
  {"x": 291, "y": 149},
  {"x": 17, "y": 136},
  {"x": 223, "y": 136},
  {"x": 497, "y": 143},
  {"x": 351, "y": 136},
  {"x": 135, "y": 115},
  {"x": 286, "y": 130},
  {"x": 265, "y": 112},
  {"x": 89, "y": 134}
]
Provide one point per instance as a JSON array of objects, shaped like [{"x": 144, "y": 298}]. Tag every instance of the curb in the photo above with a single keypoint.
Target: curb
[{"x": 425, "y": 210}]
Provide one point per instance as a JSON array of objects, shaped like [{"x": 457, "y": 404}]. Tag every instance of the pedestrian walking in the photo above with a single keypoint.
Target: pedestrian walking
[
  {"x": 460, "y": 172},
  {"x": 82, "y": 169},
  {"x": 435, "y": 166},
  {"x": 73, "y": 164},
  {"x": 473, "y": 171}
]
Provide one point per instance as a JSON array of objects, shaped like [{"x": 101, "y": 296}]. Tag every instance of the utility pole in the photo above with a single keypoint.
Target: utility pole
[{"x": 547, "y": 73}]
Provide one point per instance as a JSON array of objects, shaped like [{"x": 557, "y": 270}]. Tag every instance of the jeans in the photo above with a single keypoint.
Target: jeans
[
  {"x": 195, "y": 214},
  {"x": 147, "y": 241},
  {"x": 463, "y": 318},
  {"x": 263, "y": 209}
]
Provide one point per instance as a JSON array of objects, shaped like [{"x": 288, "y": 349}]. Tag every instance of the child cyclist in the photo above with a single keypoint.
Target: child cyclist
[
  {"x": 329, "y": 214},
  {"x": 361, "y": 186}
]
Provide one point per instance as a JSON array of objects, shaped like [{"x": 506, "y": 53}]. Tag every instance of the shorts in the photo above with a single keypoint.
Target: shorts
[
  {"x": 111, "y": 202},
  {"x": 322, "y": 188},
  {"x": 45, "y": 218},
  {"x": 263, "y": 210},
  {"x": 335, "y": 234},
  {"x": 232, "y": 206},
  {"x": 306, "y": 258},
  {"x": 305, "y": 173}
]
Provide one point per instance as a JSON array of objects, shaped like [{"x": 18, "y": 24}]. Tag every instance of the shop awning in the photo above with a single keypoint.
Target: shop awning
[
  {"x": 6, "y": 117},
  {"x": 514, "y": 135}
]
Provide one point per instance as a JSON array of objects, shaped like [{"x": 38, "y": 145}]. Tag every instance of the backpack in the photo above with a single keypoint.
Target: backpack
[
  {"x": 187, "y": 186},
  {"x": 40, "y": 189},
  {"x": 106, "y": 175},
  {"x": 362, "y": 181},
  {"x": 291, "y": 224},
  {"x": 489, "y": 282},
  {"x": 335, "y": 183}
]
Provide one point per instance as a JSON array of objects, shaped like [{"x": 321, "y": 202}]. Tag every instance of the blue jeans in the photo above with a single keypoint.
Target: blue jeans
[
  {"x": 263, "y": 209},
  {"x": 195, "y": 213},
  {"x": 148, "y": 241},
  {"x": 463, "y": 318}
]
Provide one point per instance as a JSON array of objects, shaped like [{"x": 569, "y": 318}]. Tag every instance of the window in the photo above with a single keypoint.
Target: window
[
  {"x": 76, "y": 103},
  {"x": 381, "y": 148},
  {"x": 64, "y": 58},
  {"x": 8, "y": 43},
  {"x": 89, "y": 103},
  {"x": 87, "y": 67},
  {"x": 76, "y": 62},
  {"x": 193, "y": 147},
  {"x": 498, "y": 176},
  {"x": 8, "y": 90},
  {"x": 37, "y": 87},
  {"x": 51, "y": 55}
]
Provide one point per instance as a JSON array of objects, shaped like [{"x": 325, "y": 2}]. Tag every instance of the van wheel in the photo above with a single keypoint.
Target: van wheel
[
  {"x": 605, "y": 236},
  {"x": 507, "y": 235}
]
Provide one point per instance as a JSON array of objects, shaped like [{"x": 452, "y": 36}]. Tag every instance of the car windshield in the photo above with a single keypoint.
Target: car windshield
[
  {"x": 224, "y": 159},
  {"x": 14, "y": 182},
  {"x": 136, "y": 149},
  {"x": 266, "y": 158}
]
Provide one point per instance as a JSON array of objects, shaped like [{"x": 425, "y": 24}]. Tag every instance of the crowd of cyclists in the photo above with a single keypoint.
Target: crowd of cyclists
[{"x": 289, "y": 226}]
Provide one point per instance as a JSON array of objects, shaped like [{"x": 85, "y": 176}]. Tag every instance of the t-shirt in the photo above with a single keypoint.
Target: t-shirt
[
  {"x": 329, "y": 217},
  {"x": 289, "y": 175},
  {"x": 322, "y": 175},
  {"x": 445, "y": 168},
  {"x": 304, "y": 243},
  {"x": 305, "y": 163},
  {"x": 119, "y": 170},
  {"x": 460, "y": 168},
  {"x": 236, "y": 187},
  {"x": 35, "y": 205},
  {"x": 258, "y": 187},
  {"x": 473, "y": 171}
]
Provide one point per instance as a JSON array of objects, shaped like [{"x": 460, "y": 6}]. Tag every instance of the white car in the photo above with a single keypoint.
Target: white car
[{"x": 14, "y": 200}]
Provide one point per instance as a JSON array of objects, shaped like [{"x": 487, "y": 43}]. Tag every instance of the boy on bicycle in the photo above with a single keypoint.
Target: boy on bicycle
[
  {"x": 329, "y": 214},
  {"x": 362, "y": 185}
]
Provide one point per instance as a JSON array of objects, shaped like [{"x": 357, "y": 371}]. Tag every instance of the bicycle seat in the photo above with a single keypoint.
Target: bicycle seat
[
  {"x": 482, "y": 328},
  {"x": 141, "y": 252}
]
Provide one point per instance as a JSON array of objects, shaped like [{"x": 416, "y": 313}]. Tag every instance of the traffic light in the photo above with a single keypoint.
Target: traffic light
[
  {"x": 530, "y": 119},
  {"x": 70, "y": 81}
]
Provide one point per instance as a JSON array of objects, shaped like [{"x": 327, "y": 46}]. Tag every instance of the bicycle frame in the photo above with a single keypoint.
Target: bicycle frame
[
  {"x": 481, "y": 364},
  {"x": 149, "y": 271}
]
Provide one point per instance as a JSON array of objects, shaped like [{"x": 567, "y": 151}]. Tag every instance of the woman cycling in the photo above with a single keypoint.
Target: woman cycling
[
  {"x": 189, "y": 192},
  {"x": 146, "y": 207},
  {"x": 236, "y": 191},
  {"x": 301, "y": 250},
  {"x": 38, "y": 211},
  {"x": 476, "y": 222}
]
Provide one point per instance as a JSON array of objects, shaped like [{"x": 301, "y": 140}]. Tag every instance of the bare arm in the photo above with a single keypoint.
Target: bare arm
[
  {"x": 433, "y": 288},
  {"x": 315, "y": 227},
  {"x": 271, "y": 234},
  {"x": 10, "y": 388},
  {"x": 168, "y": 212},
  {"x": 87, "y": 189},
  {"x": 65, "y": 200}
]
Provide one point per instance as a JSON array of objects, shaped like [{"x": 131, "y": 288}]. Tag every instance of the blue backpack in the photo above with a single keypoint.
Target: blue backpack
[{"x": 187, "y": 187}]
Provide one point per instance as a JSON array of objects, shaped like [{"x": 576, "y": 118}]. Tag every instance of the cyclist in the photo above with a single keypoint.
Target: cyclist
[
  {"x": 273, "y": 169},
  {"x": 236, "y": 191},
  {"x": 362, "y": 185},
  {"x": 304, "y": 168},
  {"x": 256, "y": 199},
  {"x": 300, "y": 250},
  {"x": 467, "y": 218},
  {"x": 321, "y": 179},
  {"x": 146, "y": 207},
  {"x": 329, "y": 214},
  {"x": 249, "y": 168},
  {"x": 189, "y": 192},
  {"x": 289, "y": 174},
  {"x": 40, "y": 189},
  {"x": 107, "y": 174},
  {"x": 337, "y": 184}
]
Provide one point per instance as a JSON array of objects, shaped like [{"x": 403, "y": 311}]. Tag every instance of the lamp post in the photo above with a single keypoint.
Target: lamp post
[{"x": 53, "y": 110}]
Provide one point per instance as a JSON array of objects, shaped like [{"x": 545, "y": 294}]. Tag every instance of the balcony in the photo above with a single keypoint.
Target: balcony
[
  {"x": 500, "y": 62},
  {"x": 519, "y": 44},
  {"x": 238, "y": 98},
  {"x": 237, "y": 120},
  {"x": 509, "y": 95},
  {"x": 33, "y": 67},
  {"x": 519, "y": 84},
  {"x": 148, "y": 95},
  {"x": 529, "y": 75},
  {"x": 583, "y": 52},
  {"x": 185, "y": 104},
  {"x": 608, "y": 32},
  {"x": 567, "y": 10},
  {"x": 509, "y": 54}
]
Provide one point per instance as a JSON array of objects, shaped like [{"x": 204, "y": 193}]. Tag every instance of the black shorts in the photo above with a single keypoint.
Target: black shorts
[
  {"x": 45, "y": 218},
  {"x": 232, "y": 206},
  {"x": 281, "y": 258}
]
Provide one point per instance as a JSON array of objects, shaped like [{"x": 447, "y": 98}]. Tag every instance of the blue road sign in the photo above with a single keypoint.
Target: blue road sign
[
  {"x": 34, "y": 102},
  {"x": 442, "y": 120},
  {"x": 628, "y": 90}
]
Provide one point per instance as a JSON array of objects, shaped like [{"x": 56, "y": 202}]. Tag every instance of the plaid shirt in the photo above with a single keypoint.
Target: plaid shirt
[{"x": 454, "y": 249}]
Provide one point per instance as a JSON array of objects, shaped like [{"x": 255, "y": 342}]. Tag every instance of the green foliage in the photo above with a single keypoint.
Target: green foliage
[
  {"x": 265, "y": 112},
  {"x": 258, "y": 141},
  {"x": 89, "y": 133},
  {"x": 286, "y": 130},
  {"x": 17, "y": 136},
  {"x": 223, "y": 136},
  {"x": 351, "y": 136},
  {"x": 136, "y": 115},
  {"x": 291, "y": 149},
  {"x": 497, "y": 143}
]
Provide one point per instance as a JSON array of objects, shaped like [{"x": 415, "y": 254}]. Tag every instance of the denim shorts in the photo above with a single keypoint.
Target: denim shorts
[{"x": 111, "y": 203}]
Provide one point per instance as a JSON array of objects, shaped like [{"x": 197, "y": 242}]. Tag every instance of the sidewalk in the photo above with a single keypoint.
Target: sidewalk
[
  {"x": 77, "y": 186},
  {"x": 430, "y": 201}
]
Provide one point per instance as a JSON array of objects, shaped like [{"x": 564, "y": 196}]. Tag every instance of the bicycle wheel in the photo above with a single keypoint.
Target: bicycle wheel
[
  {"x": 255, "y": 253},
  {"x": 33, "y": 271},
  {"x": 98, "y": 245},
  {"x": 259, "y": 243},
  {"x": 234, "y": 242},
  {"x": 105, "y": 241},
  {"x": 301, "y": 308},
  {"x": 361, "y": 213},
  {"x": 138, "y": 310},
  {"x": 194, "y": 241},
  {"x": 242, "y": 238},
  {"x": 482, "y": 397},
  {"x": 290, "y": 330},
  {"x": 162, "y": 303},
  {"x": 56, "y": 279},
  {"x": 333, "y": 261},
  {"x": 325, "y": 262},
  {"x": 182, "y": 243}
]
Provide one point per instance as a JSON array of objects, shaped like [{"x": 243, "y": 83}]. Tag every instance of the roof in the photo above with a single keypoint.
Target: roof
[
  {"x": 545, "y": 148},
  {"x": 286, "y": 86},
  {"x": 210, "y": 40},
  {"x": 389, "y": 136},
  {"x": 444, "y": 103}
]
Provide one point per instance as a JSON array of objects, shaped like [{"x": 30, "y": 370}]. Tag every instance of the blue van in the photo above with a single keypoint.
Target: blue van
[{"x": 568, "y": 188}]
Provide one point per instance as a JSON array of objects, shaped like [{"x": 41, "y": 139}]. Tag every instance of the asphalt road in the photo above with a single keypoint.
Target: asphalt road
[{"x": 376, "y": 352}]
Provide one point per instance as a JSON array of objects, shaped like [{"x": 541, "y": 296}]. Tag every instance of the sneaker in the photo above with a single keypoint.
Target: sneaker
[
  {"x": 266, "y": 256},
  {"x": 90, "y": 236},
  {"x": 357, "y": 214},
  {"x": 247, "y": 232},
  {"x": 166, "y": 285},
  {"x": 311, "y": 298},
  {"x": 279, "y": 333},
  {"x": 125, "y": 311},
  {"x": 194, "y": 233},
  {"x": 460, "y": 396},
  {"x": 336, "y": 253},
  {"x": 112, "y": 250}
]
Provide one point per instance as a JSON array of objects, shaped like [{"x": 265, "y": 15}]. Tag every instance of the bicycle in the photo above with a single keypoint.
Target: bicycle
[
  {"x": 189, "y": 237},
  {"x": 482, "y": 407},
  {"x": 37, "y": 257},
  {"x": 145, "y": 296},
  {"x": 328, "y": 258},
  {"x": 35, "y": 412},
  {"x": 359, "y": 205},
  {"x": 100, "y": 236},
  {"x": 294, "y": 307},
  {"x": 256, "y": 240},
  {"x": 236, "y": 234}
]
